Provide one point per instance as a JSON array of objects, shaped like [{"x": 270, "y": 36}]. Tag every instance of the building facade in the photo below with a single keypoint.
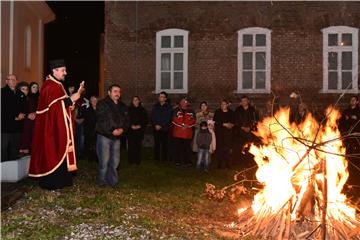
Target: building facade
[
  {"x": 215, "y": 50},
  {"x": 22, "y": 39}
]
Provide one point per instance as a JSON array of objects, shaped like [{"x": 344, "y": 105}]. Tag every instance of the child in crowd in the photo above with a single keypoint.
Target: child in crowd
[{"x": 205, "y": 141}]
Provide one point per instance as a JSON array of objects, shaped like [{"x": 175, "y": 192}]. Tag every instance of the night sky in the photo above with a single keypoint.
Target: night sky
[{"x": 75, "y": 37}]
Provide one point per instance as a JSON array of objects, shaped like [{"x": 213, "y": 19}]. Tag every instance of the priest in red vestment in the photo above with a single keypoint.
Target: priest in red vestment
[{"x": 53, "y": 154}]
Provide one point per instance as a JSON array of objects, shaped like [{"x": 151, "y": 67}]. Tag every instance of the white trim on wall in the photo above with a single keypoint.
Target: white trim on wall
[
  {"x": 339, "y": 49},
  {"x": 40, "y": 58},
  {"x": 27, "y": 47},
  {"x": 172, "y": 50},
  {"x": 11, "y": 37},
  {"x": 253, "y": 49}
]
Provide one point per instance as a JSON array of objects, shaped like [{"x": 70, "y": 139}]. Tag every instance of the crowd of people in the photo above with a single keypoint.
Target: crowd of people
[
  {"x": 18, "y": 112},
  {"x": 57, "y": 124}
]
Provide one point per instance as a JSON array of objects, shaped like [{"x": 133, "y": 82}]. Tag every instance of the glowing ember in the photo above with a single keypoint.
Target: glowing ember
[
  {"x": 241, "y": 210},
  {"x": 303, "y": 171}
]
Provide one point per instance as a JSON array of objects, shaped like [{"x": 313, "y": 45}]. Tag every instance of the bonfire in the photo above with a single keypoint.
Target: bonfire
[{"x": 302, "y": 171}]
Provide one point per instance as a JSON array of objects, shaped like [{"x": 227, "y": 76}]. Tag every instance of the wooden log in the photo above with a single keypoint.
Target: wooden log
[
  {"x": 271, "y": 225},
  {"x": 288, "y": 222},
  {"x": 282, "y": 227},
  {"x": 339, "y": 231},
  {"x": 355, "y": 232},
  {"x": 272, "y": 232},
  {"x": 339, "y": 227},
  {"x": 260, "y": 218},
  {"x": 324, "y": 205},
  {"x": 302, "y": 235},
  {"x": 294, "y": 234}
]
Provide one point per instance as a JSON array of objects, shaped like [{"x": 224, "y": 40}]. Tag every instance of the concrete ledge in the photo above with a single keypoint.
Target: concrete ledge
[{"x": 15, "y": 170}]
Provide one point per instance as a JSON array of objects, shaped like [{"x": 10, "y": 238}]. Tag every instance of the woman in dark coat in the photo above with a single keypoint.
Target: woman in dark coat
[
  {"x": 224, "y": 122},
  {"x": 138, "y": 122},
  {"x": 89, "y": 129},
  {"x": 30, "y": 106}
]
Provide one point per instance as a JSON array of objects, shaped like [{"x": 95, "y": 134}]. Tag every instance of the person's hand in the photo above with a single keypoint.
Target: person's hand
[
  {"x": 245, "y": 129},
  {"x": 353, "y": 117},
  {"x": 120, "y": 131},
  {"x": 117, "y": 132},
  {"x": 82, "y": 87},
  {"x": 79, "y": 120},
  {"x": 157, "y": 127},
  {"x": 77, "y": 95},
  {"x": 20, "y": 117},
  {"x": 72, "y": 107},
  {"x": 135, "y": 127},
  {"x": 32, "y": 116},
  {"x": 228, "y": 125}
]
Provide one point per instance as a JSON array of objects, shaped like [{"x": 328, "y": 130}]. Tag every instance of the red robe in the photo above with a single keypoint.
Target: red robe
[{"x": 53, "y": 140}]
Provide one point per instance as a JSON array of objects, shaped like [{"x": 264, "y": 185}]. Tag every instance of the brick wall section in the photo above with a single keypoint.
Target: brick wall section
[{"x": 296, "y": 61}]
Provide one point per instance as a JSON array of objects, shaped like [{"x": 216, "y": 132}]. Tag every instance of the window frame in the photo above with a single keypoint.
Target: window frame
[
  {"x": 339, "y": 49},
  {"x": 253, "y": 49},
  {"x": 172, "y": 50}
]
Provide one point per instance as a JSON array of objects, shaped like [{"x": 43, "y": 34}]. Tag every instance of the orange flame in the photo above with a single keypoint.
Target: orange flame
[{"x": 291, "y": 161}]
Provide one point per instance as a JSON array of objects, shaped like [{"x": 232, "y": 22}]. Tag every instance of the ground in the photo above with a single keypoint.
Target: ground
[{"x": 152, "y": 201}]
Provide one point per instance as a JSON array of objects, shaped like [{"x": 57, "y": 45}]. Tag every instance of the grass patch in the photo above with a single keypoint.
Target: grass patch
[{"x": 156, "y": 199}]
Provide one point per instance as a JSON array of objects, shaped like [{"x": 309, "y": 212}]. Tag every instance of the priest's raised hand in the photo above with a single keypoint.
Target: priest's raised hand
[{"x": 77, "y": 95}]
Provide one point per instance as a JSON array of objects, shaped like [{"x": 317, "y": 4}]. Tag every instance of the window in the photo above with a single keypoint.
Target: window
[
  {"x": 340, "y": 59},
  {"x": 172, "y": 61},
  {"x": 27, "y": 47},
  {"x": 254, "y": 60}
]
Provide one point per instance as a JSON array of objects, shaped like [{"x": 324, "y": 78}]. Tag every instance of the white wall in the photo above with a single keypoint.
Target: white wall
[{"x": 15, "y": 18}]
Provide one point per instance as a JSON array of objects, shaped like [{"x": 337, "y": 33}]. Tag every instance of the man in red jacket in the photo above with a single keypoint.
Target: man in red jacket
[
  {"x": 183, "y": 122},
  {"x": 53, "y": 153}
]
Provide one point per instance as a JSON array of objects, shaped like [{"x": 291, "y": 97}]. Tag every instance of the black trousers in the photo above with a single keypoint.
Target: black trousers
[
  {"x": 10, "y": 146},
  {"x": 223, "y": 156},
  {"x": 90, "y": 147},
  {"x": 161, "y": 140},
  {"x": 353, "y": 147},
  {"x": 182, "y": 151},
  {"x": 240, "y": 154},
  {"x": 134, "y": 145},
  {"x": 60, "y": 178}
]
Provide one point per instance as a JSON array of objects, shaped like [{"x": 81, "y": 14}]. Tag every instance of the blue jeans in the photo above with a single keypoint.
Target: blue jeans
[
  {"x": 108, "y": 152},
  {"x": 203, "y": 159}
]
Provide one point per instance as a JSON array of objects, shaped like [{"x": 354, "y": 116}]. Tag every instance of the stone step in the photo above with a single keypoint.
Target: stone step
[{"x": 15, "y": 170}]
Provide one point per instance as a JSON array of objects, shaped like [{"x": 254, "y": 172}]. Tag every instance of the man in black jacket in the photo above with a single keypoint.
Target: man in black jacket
[
  {"x": 246, "y": 119},
  {"x": 112, "y": 122},
  {"x": 12, "y": 116},
  {"x": 161, "y": 116},
  {"x": 350, "y": 124}
]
